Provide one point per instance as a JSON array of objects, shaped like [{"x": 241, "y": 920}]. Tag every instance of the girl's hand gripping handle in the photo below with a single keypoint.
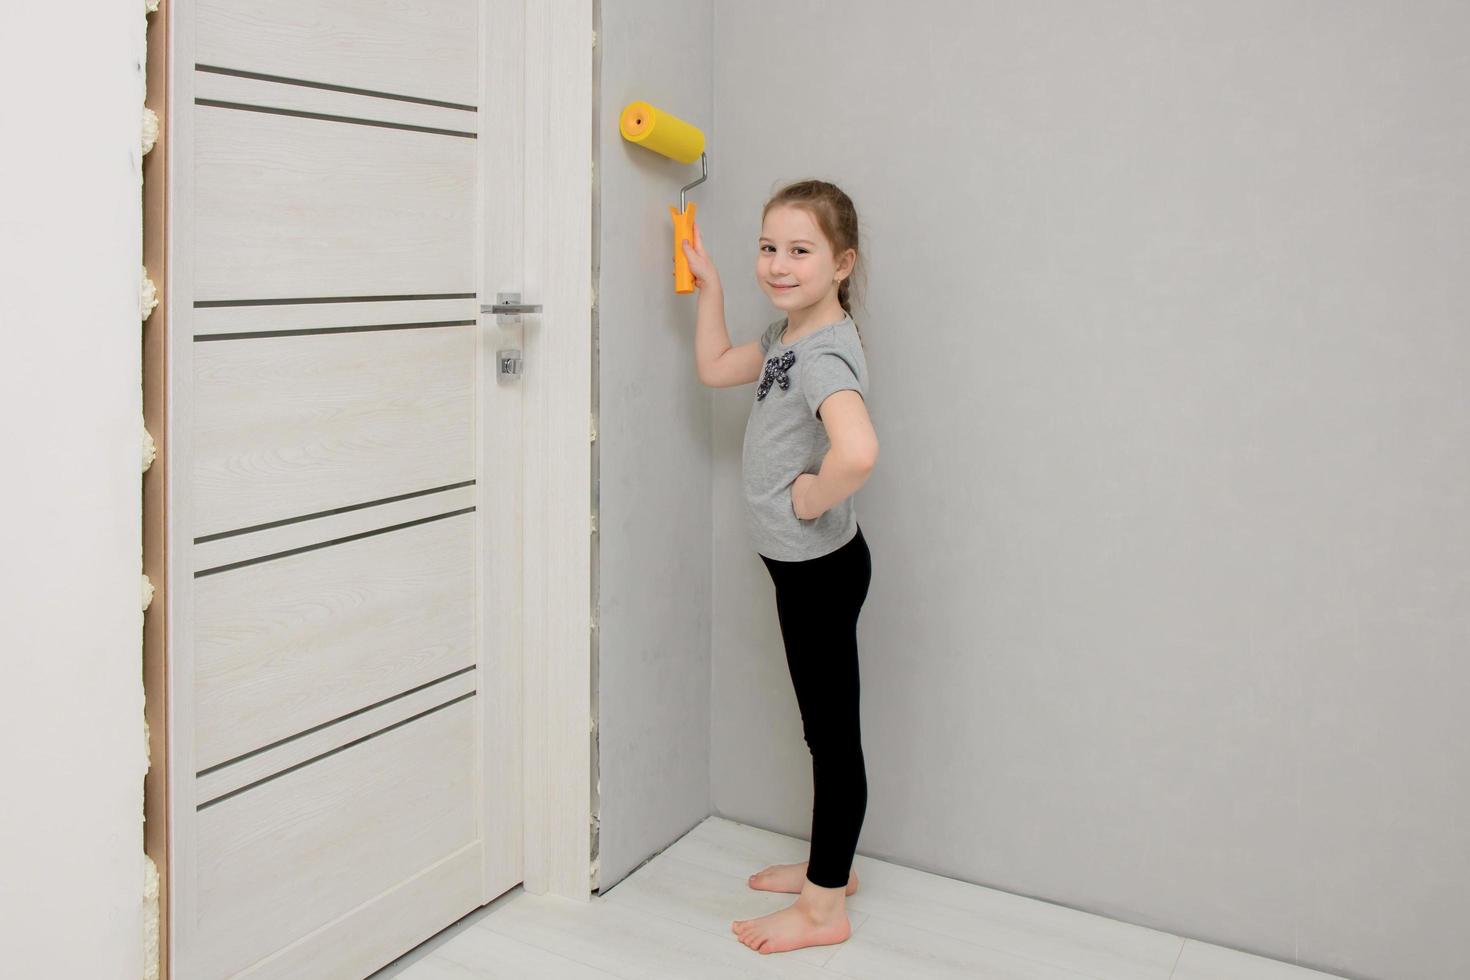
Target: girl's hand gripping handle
[
  {"x": 683, "y": 229},
  {"x": 689, "y": 254}
]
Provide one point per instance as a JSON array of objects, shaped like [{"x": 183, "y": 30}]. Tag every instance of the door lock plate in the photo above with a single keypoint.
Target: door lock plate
[{"x": 508, "y": 365}]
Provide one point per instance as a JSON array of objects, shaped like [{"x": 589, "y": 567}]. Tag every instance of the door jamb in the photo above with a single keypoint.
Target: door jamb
[{"x": 557, "y": 450}]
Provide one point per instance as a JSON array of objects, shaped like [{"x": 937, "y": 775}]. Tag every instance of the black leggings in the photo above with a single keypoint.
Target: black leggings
[{"x": 818, "y": 602}]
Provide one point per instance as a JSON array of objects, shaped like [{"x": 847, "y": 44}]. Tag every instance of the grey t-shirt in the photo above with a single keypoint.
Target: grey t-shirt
[{"x": 785, "y": 438}]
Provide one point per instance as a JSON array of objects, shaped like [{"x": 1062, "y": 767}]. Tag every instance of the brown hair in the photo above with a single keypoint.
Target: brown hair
[{"x": 835, "y": 215}]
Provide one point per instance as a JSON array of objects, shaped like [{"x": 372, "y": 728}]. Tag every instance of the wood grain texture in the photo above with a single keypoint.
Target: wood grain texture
[
  {"x": 286, "y": 426},
  {"x": 287, "y": 644},
  {"x": 295, "y": 853},
  {"x": 557, "y": 459},
  {"x": 374, "y": 933},
  {"x": 219, "y": 86},
  {"x": 289, "y": 207},
  {"x": 423, "y": 48},
  {"x": 240, "y": 774}
]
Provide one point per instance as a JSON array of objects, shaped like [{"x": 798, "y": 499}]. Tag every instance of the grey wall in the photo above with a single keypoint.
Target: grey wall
[
  {"x": 1167, "y": 335},
  {"x": 654, "y": 452}
]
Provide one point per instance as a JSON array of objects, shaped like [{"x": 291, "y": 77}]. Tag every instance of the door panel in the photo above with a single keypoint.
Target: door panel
[
  {"x": 421, "y": 49},
  {"x": 286, "y": 856},
  {"x": 214, "y": 85},
  {"x": 371, "y": 210},
  {"x": 260, "y": 765},
  {"x": 291, "y": 426},
  {"x": 379, "y": 930},
  {"x": 285, "y": 644},
  {"x": 338, "y": 793}
]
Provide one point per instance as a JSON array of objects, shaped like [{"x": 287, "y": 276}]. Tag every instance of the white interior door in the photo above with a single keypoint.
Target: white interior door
[{"x": 344, "y": 666}]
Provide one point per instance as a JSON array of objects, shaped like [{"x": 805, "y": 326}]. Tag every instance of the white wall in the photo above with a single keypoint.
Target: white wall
[
  {"x": 1167, "y": 336},
  {"x": 71, "y": 704},
  {"x": 654, "y": 438}
]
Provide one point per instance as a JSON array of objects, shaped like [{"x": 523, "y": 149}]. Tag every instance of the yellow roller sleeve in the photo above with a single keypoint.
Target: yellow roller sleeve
[{"x": 661, "y": 132}]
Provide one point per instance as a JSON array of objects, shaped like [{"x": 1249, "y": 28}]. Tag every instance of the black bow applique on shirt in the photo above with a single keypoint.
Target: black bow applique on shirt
[{"x": 776, "y": 369}]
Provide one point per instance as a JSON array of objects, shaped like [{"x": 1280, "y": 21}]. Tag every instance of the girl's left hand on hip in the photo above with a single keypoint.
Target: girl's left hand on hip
[{"x": 798, "y": 496}]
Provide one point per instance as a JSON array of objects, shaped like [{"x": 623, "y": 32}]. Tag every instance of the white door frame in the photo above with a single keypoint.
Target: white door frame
[
  {"x": 538, "y": 64},
  {"x": 557, "y": 398}
]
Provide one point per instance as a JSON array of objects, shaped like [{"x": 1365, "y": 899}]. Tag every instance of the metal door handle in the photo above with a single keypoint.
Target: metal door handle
[{"x": 508, "y": 308}]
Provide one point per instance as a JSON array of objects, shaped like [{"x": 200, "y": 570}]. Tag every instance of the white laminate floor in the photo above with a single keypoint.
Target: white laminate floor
[{"x": 671, "y": 919}]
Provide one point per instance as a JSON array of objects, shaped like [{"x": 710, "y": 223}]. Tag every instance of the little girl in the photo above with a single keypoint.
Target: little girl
[{"x": 809, "y": 445}]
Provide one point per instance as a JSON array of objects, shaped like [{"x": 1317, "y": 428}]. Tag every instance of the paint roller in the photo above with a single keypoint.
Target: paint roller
[{"x": 666, "y": 134}]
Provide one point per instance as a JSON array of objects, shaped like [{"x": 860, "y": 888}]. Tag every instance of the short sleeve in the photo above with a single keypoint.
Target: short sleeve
[{"x": 829, "y": 371}]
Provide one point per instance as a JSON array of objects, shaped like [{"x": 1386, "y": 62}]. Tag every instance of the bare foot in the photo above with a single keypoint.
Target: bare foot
[
  {"x": 798, "y": 925},
  {"x": 791, "y": 878}
]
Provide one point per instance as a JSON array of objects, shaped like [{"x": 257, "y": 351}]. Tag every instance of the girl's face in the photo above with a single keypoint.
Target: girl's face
[{"x": 796, "y": 267}]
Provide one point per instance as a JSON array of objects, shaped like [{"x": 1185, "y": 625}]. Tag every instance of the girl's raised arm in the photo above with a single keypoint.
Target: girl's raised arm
[
  {"x": 737, "y": 366},
  {"x": 716, "y": 362}
]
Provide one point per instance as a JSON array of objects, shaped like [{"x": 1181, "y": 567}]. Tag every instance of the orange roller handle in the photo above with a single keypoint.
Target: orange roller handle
[{"x": 683, "y": 228}]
